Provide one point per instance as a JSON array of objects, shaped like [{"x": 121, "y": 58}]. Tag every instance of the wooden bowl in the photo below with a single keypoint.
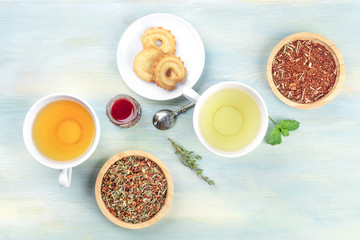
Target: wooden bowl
[
  {"x": 117, "y": 221},
  {"x": 339, "y": 62}
]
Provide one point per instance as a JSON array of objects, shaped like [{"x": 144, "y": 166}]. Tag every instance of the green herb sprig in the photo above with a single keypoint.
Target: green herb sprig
[
  {"x": 189, "y": 158},
  {"x": 283, "y": 128}
]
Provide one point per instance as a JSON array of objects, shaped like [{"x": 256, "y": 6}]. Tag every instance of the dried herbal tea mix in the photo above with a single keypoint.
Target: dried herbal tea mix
[
  {"x": 304, "y": 71},
  {"x": 134, "y": 189}
]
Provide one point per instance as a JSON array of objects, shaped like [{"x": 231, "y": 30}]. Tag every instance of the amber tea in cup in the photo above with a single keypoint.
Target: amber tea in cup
[{"x": 63, "y": 130}]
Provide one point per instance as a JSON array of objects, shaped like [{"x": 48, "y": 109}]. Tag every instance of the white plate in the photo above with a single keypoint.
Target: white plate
[{"x": 189, "y": 47}]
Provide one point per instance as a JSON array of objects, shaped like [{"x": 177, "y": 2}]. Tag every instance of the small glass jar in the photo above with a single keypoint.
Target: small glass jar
[{"x": 123, "y": 111}]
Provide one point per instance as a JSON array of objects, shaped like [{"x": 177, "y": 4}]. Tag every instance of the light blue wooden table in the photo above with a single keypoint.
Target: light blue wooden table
[{"x": 306, "y": 188}]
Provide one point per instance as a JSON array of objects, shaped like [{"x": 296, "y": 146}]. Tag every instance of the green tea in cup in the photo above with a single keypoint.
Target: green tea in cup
[{"x": 229, "y": 119}]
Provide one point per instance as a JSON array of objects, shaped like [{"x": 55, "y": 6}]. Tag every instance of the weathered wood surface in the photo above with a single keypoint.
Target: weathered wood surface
[{"x": 306, "y": 188}]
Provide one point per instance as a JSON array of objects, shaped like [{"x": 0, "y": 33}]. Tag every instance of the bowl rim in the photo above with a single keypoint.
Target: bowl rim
[
  {"x": 158, "y": 215},
  {"x": 340, "y": 68}
]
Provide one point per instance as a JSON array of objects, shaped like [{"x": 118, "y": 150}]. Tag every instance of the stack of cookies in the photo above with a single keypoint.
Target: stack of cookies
[{"x": 157, "y": 61}]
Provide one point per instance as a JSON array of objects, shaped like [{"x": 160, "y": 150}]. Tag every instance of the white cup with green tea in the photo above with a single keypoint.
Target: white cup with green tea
[
  {"x": 61, "y": 131},
  {"x": 230, "y": 118}
]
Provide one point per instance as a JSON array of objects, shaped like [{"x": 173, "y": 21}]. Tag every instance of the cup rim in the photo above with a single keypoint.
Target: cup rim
[
  {"x": 28, "y": 125},
  {"x": 263, "y": 110}
]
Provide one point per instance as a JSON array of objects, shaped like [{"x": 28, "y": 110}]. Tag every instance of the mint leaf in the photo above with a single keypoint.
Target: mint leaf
[
  {"x": 290, "y": 125},
  {"x": 284, "y": 132},
  {"x": 282, "y": 128},
  {"x": 275, "y": 137}
]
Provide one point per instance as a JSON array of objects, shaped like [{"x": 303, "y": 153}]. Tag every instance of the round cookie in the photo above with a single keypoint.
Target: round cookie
[
  {"x": 144, "y": 61},
  {"x": 159, "y": 38},
  {"x": 168, "y": 70}
]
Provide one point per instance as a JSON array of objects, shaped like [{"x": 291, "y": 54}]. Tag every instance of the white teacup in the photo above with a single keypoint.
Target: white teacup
[
  {"x": 200, "y": 100},
  {"x": 64, "y": 166}
]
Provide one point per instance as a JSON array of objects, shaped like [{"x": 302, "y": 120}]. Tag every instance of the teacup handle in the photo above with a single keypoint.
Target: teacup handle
[
  {"x": 65, "y": 177},
  {"x": 190, "y": 94}
]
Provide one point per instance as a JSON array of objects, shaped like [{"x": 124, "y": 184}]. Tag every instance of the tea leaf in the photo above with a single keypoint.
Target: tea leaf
[{"x": 134, "y": 189}]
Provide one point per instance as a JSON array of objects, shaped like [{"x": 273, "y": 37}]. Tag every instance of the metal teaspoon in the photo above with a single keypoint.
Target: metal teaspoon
[{"x": 165, "y": 119}]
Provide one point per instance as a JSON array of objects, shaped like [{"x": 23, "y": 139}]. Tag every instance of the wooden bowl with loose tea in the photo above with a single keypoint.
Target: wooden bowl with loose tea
[
  {"x": 134, "y": 189},
  {"x": 305, "y": 70}
]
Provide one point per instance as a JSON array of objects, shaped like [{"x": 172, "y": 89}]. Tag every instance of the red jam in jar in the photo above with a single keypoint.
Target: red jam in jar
[{"x": 123, "y": 111}]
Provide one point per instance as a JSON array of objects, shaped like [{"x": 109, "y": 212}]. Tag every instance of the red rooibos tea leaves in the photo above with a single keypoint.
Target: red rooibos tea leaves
[
  {"x": 304, "y": 71},
  {"x": 134, "y": 189}
]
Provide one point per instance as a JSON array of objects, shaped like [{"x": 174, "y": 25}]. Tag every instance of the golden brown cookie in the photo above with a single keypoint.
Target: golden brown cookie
[
  {"x": 168, "y": 70},
  {"x": 159, "y": 38},
  {"x": 144, "y": 61}
]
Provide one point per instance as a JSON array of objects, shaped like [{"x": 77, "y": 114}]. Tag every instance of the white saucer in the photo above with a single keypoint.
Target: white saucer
[{"x": 189, "y": 47}]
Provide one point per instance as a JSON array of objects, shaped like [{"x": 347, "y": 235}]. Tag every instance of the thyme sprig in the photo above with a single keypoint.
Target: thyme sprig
[{"x": 189, "y": 158}]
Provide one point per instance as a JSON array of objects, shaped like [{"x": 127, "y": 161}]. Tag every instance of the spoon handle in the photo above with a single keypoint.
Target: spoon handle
[{"x": 184, "y": 108}]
